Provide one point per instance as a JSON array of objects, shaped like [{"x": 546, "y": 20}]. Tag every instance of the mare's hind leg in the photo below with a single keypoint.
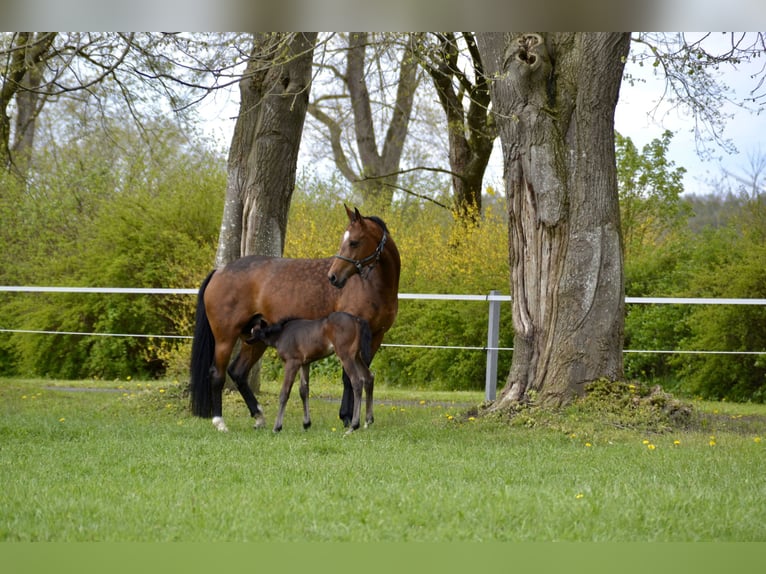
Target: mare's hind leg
[
  {"x": 304, "y": 390},
  {"x": 217, "y": 380},
  {"x": 239, "y": 370}
]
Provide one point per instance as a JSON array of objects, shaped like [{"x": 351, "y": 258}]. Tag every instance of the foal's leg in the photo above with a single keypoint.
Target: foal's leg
[
  {"x": 239, "y": 370},
  {"x": 291, "y": 369},
  {"x": 304, "y": 390}
]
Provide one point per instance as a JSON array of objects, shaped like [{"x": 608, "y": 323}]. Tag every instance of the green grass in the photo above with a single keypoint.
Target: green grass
[{"x": 127, "y": 462}]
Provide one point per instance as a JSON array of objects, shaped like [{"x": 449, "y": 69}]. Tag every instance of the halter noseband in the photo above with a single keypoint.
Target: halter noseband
[{"x": 360, "y": 263}]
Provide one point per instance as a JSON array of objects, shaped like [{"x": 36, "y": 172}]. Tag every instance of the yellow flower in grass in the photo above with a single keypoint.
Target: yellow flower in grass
[
  {"x": 757, "y": 439},
  {"x": 645, "y": 441},
  {"x": 650, "y": 446},
  {"x": 579, "y": 495}
]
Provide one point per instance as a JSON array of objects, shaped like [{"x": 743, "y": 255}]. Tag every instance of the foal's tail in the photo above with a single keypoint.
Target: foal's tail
[
  {"x": 202, "y": 353},
  {"x": 366, "y": 339}
]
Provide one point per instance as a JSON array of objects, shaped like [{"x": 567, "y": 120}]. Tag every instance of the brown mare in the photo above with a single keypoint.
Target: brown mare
[
  {"x": 362, "y": 279},
  {"x": 300, "y": 342}
]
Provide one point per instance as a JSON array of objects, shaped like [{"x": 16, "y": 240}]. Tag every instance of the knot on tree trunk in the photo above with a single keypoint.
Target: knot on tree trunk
[{"x": 527, "y": 46}]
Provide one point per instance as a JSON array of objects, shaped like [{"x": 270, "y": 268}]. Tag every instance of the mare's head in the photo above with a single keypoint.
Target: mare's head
[{"x": 361, "y": 247}]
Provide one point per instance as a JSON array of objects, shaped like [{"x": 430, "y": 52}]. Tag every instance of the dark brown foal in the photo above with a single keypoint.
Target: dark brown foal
[{"x": 300, "y": 342}]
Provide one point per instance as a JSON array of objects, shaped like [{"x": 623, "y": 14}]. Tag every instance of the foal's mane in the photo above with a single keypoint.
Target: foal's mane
[{"x": 275, "y": 328}]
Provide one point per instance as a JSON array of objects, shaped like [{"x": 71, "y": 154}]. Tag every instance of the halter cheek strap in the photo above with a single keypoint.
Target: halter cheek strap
[{"x": 360, "y": 263}]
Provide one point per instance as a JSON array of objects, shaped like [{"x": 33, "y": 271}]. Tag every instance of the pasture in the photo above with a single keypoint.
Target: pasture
[{"x": 125, "y": 461}]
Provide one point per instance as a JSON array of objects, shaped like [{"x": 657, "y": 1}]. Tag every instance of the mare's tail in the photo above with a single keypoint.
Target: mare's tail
[
  {"x": 202, "y": 354},
  {"x": 366, "y": 342}
]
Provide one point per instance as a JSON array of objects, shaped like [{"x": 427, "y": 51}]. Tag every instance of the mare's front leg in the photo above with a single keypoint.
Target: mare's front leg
[
  {"x": 304, "y": 390},
  {"x": 346, "y": 411},
  {"x": 239, "y": 370},
  {"x": 356, "y": 387},
  {"x": 291, "y": 369},
  {"x": 355, "y": 369},
  {"x": 369, "y": 383}
]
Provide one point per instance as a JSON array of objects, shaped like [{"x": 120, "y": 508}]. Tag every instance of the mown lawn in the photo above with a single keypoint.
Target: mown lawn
[{"x": 127, "y": 462}]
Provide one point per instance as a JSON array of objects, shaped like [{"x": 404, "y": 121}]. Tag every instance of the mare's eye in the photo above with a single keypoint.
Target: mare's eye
[{"x": 353, "y": 244}]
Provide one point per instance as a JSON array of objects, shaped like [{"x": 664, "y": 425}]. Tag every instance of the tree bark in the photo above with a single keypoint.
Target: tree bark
[
  {"x": 22, "y": 74},
  {"x": 380, "y": 169},
  {"x": 264, "y": 149},
  {"x": 554, "y": 97},
  {"x": 471, "y": 133}
]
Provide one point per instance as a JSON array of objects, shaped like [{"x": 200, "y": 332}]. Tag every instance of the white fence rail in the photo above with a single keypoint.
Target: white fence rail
[{"x": 494, "y": 299}]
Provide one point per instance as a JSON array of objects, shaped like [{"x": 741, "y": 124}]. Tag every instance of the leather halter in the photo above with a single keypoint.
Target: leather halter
[{"x": 374, "y": 257}]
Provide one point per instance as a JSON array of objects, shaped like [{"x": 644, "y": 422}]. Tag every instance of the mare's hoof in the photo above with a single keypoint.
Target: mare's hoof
[
  {"x": 219, "y": 424},
  {"x": 307, "y": 426}
]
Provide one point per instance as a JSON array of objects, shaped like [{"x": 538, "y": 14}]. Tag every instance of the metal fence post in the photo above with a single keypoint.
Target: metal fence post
[{"x": 493, "y": 339}]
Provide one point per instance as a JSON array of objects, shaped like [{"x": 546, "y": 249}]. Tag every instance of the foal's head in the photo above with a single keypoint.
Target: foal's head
[{"x": 258, "y": 329}]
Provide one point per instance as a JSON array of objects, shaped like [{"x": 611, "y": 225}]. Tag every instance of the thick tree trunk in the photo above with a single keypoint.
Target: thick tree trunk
[
  {"x": 264, "y": 149},
  {"x": 554, "y": 97},
  {"x": 263, "y": 155}
]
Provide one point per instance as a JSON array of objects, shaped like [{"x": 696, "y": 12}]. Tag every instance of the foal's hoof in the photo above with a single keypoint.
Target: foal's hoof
[
  {"x": 260, "y": 422},
  {"x": 307, "y": 425},
  {"x": 277, "y": 430}
]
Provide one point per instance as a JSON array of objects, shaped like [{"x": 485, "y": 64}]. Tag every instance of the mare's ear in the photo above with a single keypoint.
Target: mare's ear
[{"x": 352, "y": 215}]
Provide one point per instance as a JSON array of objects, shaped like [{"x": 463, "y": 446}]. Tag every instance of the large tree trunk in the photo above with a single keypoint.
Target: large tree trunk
[
  {"x": 263, "y": 155},
  {"x": 554, "y": 97}
]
